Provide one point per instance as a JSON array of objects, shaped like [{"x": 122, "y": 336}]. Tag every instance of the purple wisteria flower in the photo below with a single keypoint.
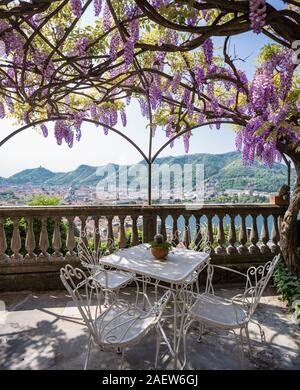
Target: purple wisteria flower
[
  {"x": 76, "y": 7},
  {"x": 2, "y": 110},
  {"x": 208, "y": 49},
  {"x": 106, "y": 17},
  {"x": 114, "y": 46},
  {"x": 123, "y": 118},
  {"x": 97, "y": 7},
  {"x": 62, "y": 131},
  {"x": 257, "y": 15},
  {"x": 44, "y": 130},
  {"x": 186, "y": 142}
]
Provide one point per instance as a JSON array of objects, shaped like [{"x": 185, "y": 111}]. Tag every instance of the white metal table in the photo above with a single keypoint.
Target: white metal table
[{"x": 177, "y": 272}]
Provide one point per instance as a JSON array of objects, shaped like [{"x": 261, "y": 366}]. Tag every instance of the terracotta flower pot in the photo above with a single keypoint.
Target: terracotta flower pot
[
  {"x": 275, "y": 199},
  {"x": 160, "y": 253}
]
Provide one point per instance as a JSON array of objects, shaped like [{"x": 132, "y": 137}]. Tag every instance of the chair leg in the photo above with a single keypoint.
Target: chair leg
[
  {"x": 186, "y": 326},
  {"x": 88, "y": 352},
  {"x": 158, "y": 340},
  {"x": 184, "y": 350},
  {"x": 239, "y": 347},
  {"x": 156, "y": 292},
  {"x": 248, "y": 340},
  {"x": 201, "y": 332},
  {"x": 242, "y": 348},
  {"x": 122, "y": 359},
  {"x": 137, "y": 293},
  {"x": 144, "y": 292},
  {"x": 261, "y": 331},
  {"x": 197, "y": 286}
]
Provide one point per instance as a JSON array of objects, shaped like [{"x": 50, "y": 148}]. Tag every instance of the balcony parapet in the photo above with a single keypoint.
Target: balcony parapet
[{"x": 35, "y": 239}]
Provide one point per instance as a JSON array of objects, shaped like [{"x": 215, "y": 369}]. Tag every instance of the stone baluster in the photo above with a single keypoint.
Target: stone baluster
[
  {"x": 122, "y": 236},
  {"x": 275, "y": 236},
  {"x": 30, "y": 242},
  {"x": 96, "y": 236},
  {"x": 210, "y": 233},
  {"x": 253, "y": 249},
  {"x": 279, "y": 223},
  {"x": 231, "y": 249},
  {"x": 242, "y": 249},
  {"x": 163, "y": 229},
  {"x": 220, "y": 250},
  {"x": 44, "y": 240},
  {"x": 56, "y": 240},
  {"x": 110, "y": 233},
  {"x": 83, "y": 231},
  {"x": 186, "y": 232},
  {"x": 197, "y": 235},
  {"x": 149, "y": 227},
  {"x": 70, "y": 242},
  {"x": 134, "y": 234},
  {"x": 3, "y": 242},
  {"x": 16, "y": 241},
  {"x": 264, "y": 247},
  {"x": 175, "y": 232}
]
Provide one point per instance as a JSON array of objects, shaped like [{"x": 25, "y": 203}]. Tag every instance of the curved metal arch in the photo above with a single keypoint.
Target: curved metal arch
[
  {"x": 182, "y": 133},
  {"x": 149, "y": 160},
  {"x": 20, "y": 129}
]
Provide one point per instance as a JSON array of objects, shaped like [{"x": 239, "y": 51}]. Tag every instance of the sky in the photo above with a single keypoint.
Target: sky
[{"x": 30, "y": 149}]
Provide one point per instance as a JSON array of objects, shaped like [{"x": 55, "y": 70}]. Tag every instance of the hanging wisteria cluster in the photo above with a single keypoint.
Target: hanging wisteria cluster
[
  {"x": 136, "y": 51},
  {"x": 258, "y": 14},
  {"x": 269, "y": 108}
]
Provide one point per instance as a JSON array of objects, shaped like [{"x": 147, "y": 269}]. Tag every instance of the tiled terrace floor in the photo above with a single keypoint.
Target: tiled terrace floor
[{"x": 44, "y": 331}]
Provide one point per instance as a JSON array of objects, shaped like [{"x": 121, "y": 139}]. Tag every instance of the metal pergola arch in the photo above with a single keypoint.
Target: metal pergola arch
[
  {"x": 56, "y": 90},
  {"x": 149, "y": 160}
]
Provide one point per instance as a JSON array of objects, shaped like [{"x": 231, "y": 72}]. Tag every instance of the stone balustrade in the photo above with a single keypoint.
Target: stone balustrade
[{"x": 44, "y": 238}]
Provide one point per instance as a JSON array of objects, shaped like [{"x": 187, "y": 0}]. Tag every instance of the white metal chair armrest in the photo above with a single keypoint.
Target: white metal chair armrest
[
  {"x": 210, "y": 275},
  {"x": 228, "y": 269},
  {"x": 159, "y": 306}
]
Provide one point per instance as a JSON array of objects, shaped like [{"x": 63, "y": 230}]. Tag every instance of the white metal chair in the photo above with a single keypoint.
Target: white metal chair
[
  {"x": 213, "y": 311},
  {"x": 118, "y": 326},
  {"x": 91, "y": 260},
  {"x": 201, "y": 245}
]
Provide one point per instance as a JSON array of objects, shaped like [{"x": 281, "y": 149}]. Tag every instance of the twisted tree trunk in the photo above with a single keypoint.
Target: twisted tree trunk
[{"x": 288, "y": 233}]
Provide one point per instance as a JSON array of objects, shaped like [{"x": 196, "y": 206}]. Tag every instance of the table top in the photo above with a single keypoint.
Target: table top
[{"x": 180, "y": 263}]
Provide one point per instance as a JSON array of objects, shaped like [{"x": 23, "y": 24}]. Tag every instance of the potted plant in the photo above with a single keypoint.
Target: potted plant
[
  {"x": 160, "y": 247},
  {"x": 282, "y": 196}
]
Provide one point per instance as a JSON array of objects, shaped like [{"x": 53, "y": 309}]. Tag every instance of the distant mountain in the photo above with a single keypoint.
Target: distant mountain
[
  {"x": 34, "y": 176},
  {"x": 225, "y": 170}
]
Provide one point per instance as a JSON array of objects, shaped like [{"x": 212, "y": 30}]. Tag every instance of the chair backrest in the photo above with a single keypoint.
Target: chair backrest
[
  {"x": 199, "y": 242},
  {"x": 90, "y": 249},
  {"x": 89, "y": 298},
  {"x": 86, "y": 293},
  {"x": 257, "y": 280}
]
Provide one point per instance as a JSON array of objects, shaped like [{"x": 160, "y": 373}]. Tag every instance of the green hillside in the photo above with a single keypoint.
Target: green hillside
[
  {"x": 35, "y": 176},
  {"x": 224, "y": 170}
]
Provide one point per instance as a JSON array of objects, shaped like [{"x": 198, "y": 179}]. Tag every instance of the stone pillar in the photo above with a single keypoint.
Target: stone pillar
[
  {"x": 44, "y": 240},
  {"x": 30, "y": 242},
  {"x": 3, "y": 243},
  {"x": 242, "y": 249},
  {"x": 220, "y": 250},
  {"x": 231, "y": 249},
  {"x": 16, "y": 241},
  {"x": 254, "y": 236}
]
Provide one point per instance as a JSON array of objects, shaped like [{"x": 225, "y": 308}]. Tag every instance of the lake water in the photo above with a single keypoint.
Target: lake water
[{"x": 215, "y": 220}]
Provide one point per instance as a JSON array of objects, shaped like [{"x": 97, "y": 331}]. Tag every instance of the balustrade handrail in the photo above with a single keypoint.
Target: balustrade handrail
[{"x": 87, "y": 210}]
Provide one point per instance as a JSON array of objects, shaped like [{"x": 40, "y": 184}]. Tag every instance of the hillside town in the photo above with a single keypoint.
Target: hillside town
[{"x": 19, "y": 195}]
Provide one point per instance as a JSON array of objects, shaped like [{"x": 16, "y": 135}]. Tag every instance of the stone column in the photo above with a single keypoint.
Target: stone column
[{"x": 30, "y": 242}]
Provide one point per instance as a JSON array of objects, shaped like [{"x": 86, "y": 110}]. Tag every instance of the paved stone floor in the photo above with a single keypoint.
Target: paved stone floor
[{"x": 43, "y": 330}]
